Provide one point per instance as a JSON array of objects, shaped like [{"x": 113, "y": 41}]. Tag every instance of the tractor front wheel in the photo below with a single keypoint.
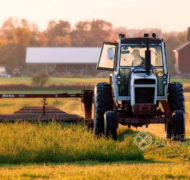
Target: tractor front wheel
[
  {"x": 103, "y": 102},
  {"x": 110, "y": 125},
  {"x": 178, "y": 130}
]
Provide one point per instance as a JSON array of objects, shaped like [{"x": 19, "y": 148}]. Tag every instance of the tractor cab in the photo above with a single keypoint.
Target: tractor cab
[{"x": 139, "y": 69}]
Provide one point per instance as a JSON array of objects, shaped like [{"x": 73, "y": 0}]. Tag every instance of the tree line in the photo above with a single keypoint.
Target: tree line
[{"x": 17, "y": 34}]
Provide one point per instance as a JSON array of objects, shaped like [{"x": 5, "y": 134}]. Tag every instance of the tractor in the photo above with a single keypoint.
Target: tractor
[{"x": 139, "y": 91}]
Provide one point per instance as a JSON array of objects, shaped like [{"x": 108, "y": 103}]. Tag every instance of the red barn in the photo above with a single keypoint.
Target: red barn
[{"x": 182, "y": 57}]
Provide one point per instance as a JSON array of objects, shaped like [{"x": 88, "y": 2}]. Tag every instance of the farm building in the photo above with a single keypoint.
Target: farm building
[
  {"x": 63, "y": 60},
  {"x": 182, "y": 57}
]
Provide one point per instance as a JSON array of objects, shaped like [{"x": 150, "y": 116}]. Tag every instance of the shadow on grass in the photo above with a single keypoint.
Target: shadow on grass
[
  {"x": 86, "y": 163},
  {"x": 94, "y": 163},
  {"x": 186, "y": 142},
  {"x": 124, "y": 133}
]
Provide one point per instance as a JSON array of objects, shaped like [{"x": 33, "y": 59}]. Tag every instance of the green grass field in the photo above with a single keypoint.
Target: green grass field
[
  {"x": 54, "y": 80},
  {"x": 53, "y": 142},
  {"x": 65, "y": 151},
  {"x": 71, "y": 80},
  {"x": 62, "y": 84},
  {"x": 55, "y": 151},
  {"x": 96, "y": 170}
]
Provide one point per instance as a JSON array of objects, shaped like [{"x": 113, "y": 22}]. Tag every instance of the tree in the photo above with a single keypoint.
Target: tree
[
  {"x": 62, "y": 41},
  {"x": 15, "y": 36},
  {"x": 150, "y": 31},
  {"x": 91, "y": 33},
  {"x": 117, "y": 31},
  {"x": 80, "y": 34},
  {"x": 54, "y": 30},
  {"x": 100, "y": 31}
]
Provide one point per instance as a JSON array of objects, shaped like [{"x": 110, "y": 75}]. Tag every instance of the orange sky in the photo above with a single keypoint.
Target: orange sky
[{"x": 169, "y": 15}]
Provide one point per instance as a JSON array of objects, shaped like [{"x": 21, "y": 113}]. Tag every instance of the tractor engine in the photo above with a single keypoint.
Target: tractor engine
[{"x": 143, "y": 89}]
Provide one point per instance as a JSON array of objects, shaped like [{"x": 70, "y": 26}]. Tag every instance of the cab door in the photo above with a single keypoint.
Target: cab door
[{"x": 107, "y": 56}]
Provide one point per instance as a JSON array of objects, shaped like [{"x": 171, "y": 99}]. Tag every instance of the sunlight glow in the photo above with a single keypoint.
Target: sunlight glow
[{"x": 169, "y": 15}]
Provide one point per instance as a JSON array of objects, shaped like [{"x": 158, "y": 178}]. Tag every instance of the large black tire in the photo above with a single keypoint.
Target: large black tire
[
  {"x": 103, "y": 102},
  {"x": 110, "y": 125},
  {"x": 178, "y": 129},
  {"x": 176, "y": 96}
]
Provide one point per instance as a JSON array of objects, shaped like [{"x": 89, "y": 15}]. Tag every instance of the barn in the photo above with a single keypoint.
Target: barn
[
  {"x": 63, "y": 60},
  {"x": 182, "y": 57}
]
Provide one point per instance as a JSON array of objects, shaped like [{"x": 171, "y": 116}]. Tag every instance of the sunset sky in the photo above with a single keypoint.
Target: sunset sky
[{"x": 169, "y": 15}]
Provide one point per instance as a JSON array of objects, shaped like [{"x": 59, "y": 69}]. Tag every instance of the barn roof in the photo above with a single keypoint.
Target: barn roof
[
  {"x": 182, "y": 46},
  {"x": 63, "y": 55}
]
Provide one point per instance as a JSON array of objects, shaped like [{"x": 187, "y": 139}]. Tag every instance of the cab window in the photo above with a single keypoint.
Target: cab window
[
  {"x": 107, "y": 56},
  {"x": 134, "y": 55}
]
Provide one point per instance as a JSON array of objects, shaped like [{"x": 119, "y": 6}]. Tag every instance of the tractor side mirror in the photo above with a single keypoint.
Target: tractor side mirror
[{"x": 110, "y": 53}]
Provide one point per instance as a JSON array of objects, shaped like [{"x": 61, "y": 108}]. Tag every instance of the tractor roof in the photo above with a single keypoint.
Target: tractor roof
[{"x": 140, "y": 41}]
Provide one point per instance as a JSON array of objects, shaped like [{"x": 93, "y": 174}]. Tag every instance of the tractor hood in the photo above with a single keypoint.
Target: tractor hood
[
  {"x": 143, "y": 88},
  {"x": 142, "y": 75}
]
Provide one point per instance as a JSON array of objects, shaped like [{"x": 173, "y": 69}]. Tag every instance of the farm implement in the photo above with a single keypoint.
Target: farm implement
[{"x": 46, "y": 113}]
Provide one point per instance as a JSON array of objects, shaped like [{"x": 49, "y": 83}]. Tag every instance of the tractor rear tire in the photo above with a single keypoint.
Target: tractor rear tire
[
  {"x": 178, "y": 130},
  {"x": 110, "y": 125},
  {"x": 176, "y": 96},
  {"x": 103, "y": 102}
]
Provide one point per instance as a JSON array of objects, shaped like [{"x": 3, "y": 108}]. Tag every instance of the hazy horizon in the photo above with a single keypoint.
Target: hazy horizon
[{"x": 167, "y": 15}]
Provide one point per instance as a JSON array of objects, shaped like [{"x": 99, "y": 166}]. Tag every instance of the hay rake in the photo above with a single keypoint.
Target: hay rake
[{"x": 46, "y": 113}]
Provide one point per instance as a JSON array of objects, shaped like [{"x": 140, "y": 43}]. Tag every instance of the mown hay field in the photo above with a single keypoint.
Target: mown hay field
[{"x": 67, "y": 151}]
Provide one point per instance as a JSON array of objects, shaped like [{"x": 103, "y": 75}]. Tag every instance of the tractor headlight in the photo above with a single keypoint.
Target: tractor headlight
[
  {"x": 118, "y": 79},
  {"x": 164, "y": 76},
  {"x": 164, "y": 81}
]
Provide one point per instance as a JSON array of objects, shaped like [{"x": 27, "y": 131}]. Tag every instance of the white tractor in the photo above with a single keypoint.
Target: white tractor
[{"x": 139, "y": 92}]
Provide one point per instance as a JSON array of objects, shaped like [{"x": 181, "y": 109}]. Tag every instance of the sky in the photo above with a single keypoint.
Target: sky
[{"x": 167, "y": 15}]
